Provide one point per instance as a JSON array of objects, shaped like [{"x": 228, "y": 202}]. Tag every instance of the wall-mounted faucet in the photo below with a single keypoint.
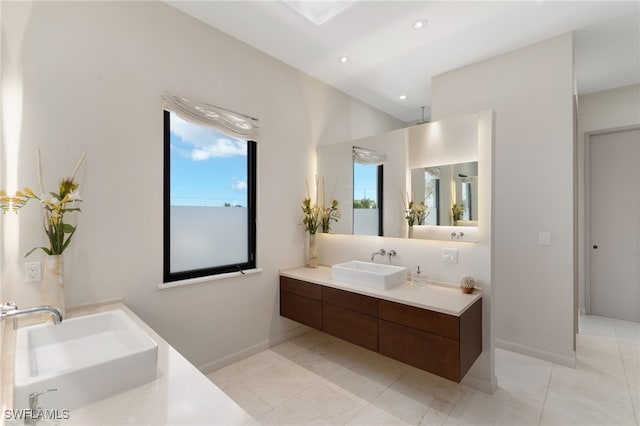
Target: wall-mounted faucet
[
  {"x": 457, "y": 236},
  {"x": 380, "y": 252},
  {"x": 10, "y": 310},
  {"x": 391, "y": 254}
]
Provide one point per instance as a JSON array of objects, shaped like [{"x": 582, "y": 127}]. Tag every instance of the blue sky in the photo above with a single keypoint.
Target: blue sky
[
  {"x": 365, "y": 181},
  {"x": 208, "y": 168}
]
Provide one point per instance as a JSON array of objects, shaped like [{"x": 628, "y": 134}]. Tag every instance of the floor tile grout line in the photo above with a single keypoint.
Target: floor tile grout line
[
  {"x": 453, "y": 409},
  {"x": 262, "y": 400},
  {"x": 319, "y": 379},
  {"x": 626, "y": 378},
  {"x": 546, "y": 393}
]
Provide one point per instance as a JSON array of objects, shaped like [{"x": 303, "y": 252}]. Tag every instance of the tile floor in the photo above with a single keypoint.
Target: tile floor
[{"x": 318, "y": 379}]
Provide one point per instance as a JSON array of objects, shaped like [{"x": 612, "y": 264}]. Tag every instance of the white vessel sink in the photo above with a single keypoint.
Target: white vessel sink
[
  {"x": 86, "y": 358},
  {"x": 371, "y": 275}
]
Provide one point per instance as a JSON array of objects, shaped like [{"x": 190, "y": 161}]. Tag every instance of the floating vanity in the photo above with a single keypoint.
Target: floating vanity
[{"x": 434, "y": 328}]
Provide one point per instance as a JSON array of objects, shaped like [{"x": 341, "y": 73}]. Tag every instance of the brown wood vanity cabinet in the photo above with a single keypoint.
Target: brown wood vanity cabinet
[
  {"x": 301, "y": 301},
  {"x": 442, "y": 344},
  {"x": 350, "y": 316}
]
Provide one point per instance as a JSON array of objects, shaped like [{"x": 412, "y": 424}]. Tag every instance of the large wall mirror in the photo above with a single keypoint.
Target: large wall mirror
[
  {"x": 367, "y": 177},
  {"x": 374, "y": 178}
]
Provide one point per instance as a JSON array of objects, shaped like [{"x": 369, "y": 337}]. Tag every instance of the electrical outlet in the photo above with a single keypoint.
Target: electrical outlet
[
  {"x": 32, "y": 272},
  {"x": 449, "y": 255}
]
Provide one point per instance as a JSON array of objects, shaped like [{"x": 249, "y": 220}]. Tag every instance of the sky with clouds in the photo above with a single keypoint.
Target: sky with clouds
[
  {"x": 208, "y": 168},
  {"x": 365, "y": 181}
]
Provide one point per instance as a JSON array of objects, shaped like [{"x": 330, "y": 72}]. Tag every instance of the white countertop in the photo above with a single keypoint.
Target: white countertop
[
  {"x": 180, "y": 395},
  {"x": 444, "y": 299}
]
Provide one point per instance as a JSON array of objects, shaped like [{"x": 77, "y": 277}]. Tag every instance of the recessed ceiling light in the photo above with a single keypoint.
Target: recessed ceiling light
[
  {"x": 343, "y": 59},
  {"x": 402, "y": 97},
  {"x": 419, "y": 24}
]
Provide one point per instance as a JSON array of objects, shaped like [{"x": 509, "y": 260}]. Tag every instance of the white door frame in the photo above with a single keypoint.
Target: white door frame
[{"x": 586, "y": 228}]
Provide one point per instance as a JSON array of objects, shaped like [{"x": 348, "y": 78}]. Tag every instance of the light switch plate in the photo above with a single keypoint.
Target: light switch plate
[
  {"x": 545, "y": 238},
  {"x": 449, "y": 255}
]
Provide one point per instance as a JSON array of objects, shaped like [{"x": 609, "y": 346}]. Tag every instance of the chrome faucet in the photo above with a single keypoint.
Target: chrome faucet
[
  {"x": 381, "y": 252},
  {"x": 34, "y": 410},
  {"x": 10, "y": 310}
]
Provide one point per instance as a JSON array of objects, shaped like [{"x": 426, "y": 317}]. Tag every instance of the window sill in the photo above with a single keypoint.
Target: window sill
[{"x": 208, "y": 278}]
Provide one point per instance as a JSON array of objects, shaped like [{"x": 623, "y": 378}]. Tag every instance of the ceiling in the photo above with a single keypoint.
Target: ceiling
[{"x": 387, "y": 57}]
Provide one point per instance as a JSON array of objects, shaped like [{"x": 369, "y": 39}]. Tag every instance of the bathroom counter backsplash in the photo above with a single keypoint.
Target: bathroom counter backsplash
[
  {"x": 440, "y": 298},
  {"x": 180, "y": 394}
]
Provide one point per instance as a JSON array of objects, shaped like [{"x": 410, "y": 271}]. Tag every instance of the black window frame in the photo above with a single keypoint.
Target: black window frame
[
  {"x": 380, "y": 194},
  {"x": 168, "y": 276}
]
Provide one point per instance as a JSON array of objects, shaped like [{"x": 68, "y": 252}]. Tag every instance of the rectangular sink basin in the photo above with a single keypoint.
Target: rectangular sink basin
[
  {"x": 371, "y": 275},
  {"x": 87, "y": 359}
]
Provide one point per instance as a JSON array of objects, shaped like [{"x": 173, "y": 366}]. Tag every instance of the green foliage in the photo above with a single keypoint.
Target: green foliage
[
  {"x": 316, "y": 215},
  {"x": 55, "y": 205},
  {"x": 331, "y": 213},
  {"x": 364, "y": 203},
  {"x": 311, "y": 216},
  {"x": 415, "y": 213},
  {"x": 457, "y": 211}
]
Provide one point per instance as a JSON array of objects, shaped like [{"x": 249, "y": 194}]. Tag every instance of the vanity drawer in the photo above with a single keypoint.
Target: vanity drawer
[
  {"x": 352, "y": 301},
  {"x": 354, "y": 327},
  {"x": 432, "y": 322},
  {"x": 301, "y": 309},
  {"x": 436, "y": 354},
  {"x": 301, "y": 288}
]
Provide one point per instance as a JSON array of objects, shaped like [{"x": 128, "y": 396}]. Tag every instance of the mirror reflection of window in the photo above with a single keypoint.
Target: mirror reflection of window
[
  {"x": 466, "y": 200},
  {"x": 431, "y": 195},
  {"x": 468, "y": 188},
  {"x": 366, "y": 199},
  {"x": 367, "y": 192}
]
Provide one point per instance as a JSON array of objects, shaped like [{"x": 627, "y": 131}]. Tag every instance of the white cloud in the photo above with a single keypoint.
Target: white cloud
[
  {"x": 205, "y": 143},
  {"x": 239, "y": 184}
]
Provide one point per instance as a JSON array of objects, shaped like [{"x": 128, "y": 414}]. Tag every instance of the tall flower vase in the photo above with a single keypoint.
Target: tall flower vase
[
  {"x": 410, "y": 233},
  {"x": 53, "y": 282},
  {"x": 312, "y": 251}
]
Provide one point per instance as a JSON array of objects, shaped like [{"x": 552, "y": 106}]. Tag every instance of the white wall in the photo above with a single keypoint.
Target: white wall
[
  {"x": 609, "y": 109},
  {"x": 335, "y": 168},
  {"x": 530, "y": 90},
  {"x": 91, "y": 76}
]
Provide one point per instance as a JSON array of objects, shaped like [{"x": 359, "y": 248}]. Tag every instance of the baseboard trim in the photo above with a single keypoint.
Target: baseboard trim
[
  {"x": 568, "y": 361},
  {"x": 217, "y": 364},
  {"x": 489, "y": 387}
]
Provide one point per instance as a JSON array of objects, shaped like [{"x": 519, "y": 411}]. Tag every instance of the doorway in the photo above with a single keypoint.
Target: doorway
[{"x": 613, "y": 227}]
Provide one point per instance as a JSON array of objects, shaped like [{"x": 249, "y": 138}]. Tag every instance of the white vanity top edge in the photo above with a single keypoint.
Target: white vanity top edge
[{"x": 449, "y": 301}]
